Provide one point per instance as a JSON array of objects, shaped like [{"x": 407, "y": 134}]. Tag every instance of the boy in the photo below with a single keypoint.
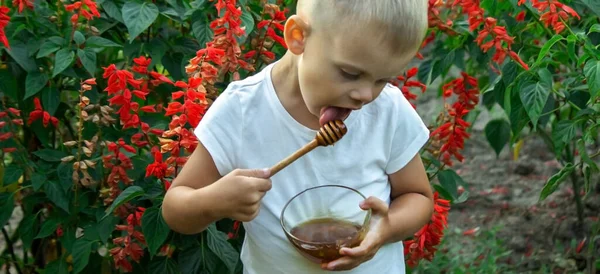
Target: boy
[{"x": 341, "y": 56}]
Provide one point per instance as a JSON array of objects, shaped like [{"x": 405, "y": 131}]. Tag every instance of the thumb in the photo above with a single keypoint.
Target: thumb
[
  {"x": 375, "y": 204},
  {"x": 257, "y": 173}
]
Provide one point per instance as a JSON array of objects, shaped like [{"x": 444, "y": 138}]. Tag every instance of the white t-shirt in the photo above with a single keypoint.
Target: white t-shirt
[{"x": 247, "y": 127}]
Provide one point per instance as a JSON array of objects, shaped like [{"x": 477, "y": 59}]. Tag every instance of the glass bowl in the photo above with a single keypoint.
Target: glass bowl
[{"x": 320, "y": 220}]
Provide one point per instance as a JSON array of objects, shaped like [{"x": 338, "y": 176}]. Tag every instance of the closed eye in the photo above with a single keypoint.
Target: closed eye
[{"x": 349, "y": 76}]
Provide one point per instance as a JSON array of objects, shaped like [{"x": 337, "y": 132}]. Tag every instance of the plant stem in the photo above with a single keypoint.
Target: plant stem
[
  {"x": 576, "y": 189},
  {"x": 9, "y": 246}
]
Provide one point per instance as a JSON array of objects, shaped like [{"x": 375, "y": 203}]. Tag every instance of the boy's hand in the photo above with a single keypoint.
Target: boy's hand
[
  {"x": 241, "y": 192},
  {"x": 374, "y": 239}
]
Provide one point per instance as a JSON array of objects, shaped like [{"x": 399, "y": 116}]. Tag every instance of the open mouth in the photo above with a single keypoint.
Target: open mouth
[{"x": 333, "y": 113}]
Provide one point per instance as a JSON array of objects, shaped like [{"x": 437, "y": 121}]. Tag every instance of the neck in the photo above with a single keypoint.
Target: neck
[{"x": 287, "y": 88}]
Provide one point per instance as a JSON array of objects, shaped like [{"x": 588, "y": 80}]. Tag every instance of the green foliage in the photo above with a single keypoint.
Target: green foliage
[{"x": 90, "y": 183}]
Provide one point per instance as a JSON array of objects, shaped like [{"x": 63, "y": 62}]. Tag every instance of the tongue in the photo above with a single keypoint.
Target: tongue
[{"x": 332, "y": 113}]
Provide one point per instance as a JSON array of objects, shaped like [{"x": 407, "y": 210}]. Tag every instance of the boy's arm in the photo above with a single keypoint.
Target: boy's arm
[
  {"x": 199, "y": 196},
  {"x": 412, "y": 201},
  {"x": 188, "y": 206}
]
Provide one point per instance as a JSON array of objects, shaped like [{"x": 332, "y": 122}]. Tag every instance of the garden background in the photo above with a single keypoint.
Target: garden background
[{"x": 98, "y": 99}]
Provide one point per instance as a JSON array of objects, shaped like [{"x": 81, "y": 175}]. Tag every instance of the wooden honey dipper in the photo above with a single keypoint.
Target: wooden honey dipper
[{"x": 328, "y": 134}]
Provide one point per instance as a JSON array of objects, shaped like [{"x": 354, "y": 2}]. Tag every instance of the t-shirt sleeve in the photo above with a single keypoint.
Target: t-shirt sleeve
[
  {"x": 409, "y": 136},
  {"x": 220, "y": 130}
]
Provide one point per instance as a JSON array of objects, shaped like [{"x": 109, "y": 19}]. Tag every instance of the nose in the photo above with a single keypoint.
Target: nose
[{"x": 363, "y": 95}]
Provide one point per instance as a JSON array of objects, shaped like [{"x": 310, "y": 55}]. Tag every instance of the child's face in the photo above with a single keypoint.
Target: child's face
[{"x": 345, "y": 71}]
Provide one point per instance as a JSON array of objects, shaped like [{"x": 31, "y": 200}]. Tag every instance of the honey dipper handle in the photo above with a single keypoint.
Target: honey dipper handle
[{"x": 293, "y": 157}]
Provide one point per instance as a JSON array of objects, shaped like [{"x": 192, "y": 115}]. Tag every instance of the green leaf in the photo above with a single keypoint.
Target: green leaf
[
  {"x": 217, "y": 243},
  {"x": 592, "y": 74},
  {"x": 125, "y": 196},
  {"x": 587, "y": 176},
  {"x": 509, "y": 73},
  {"x": 81, "y": 254},
  {"x": 584, "y": 155},
  {"x": 201, "y": 28},
  {"x": 48, "y": 48},
  {"x": 57, "y": 195},
  {"x": 19, "y": 52},
  {"x": 78, "y": 37},
  {"x": 34, "y": 82},
  {"x": 50, "y": 99},
  {"x": 58, "y": 266},
  {"x": 12, "y": 173},
  {"x": 27, "y": 230},
  {"x": 48, "y": 227},
  {"x": 62, "y": 61},
  {"x": 99, "y": 42},
  {"x": 163, "y": 265},
  {"x": 7, "y": 205},
  {"x": 105, "y": 227},
  {"x": 594, "y": 28},
  {"x": 497, "y": 133},
  {"x": 547, "y": 46},
  {"x": 545, "y": 77},
  {"x": 154, "y": 228},
  {"x": 37, "y": 181},
  {"x": 112, "y": 9},
  {"x": 248, "y": 23},
  {"x": 554, "y": 181},
  {"x": 572, "y": 43},
  {"x": 562, "y": 133},
  {"x": 594, "y": 5},
  {"x": 65, "y": 173},
  {"x": 188, "y": 260},
  {"x": 50, "y": 155},
  {"x": 8, "y": 85},
  {"x": 534, "y": 96},
  {"x": 88, "y": 59},
  {"x": 450, "y": 181},
  {"x": 140, "y": 15}
]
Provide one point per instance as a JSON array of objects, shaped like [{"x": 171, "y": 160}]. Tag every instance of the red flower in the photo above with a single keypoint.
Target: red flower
[
  {"x": 552, "y": 13},
  {"x": 128, "y": 247},
  {"x": 141, "y": 64},
  {"x": 435, "y": 19},
  {"x": 39, "y": 113},
  {"x": 4, "y": 19},
  {"x": 498, "y": 35},
  {"x": 118, "y": 163},
  {"x": 520, "y": 17},
  {"x": 466, "y": 88},
  {"x": 22, "y": 4},
  {"x": 407, "y": 84},
  {"x": 79, "y": 7},
  {"x": 425, "y": 241},
  {"x": 158, "y": 168},
  {"x": 452, "y": 134},
  {"x": 473, "y": 11}
]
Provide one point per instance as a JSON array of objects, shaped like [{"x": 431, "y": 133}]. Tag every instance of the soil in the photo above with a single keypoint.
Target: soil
[{"x": 504, "y": 192}]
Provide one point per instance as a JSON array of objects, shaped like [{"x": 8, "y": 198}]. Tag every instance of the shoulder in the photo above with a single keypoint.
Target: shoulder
[{"x": 245, "y": 92}]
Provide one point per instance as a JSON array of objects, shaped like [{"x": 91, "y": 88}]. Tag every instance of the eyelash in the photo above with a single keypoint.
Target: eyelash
[{"x": 348, "y": 75}]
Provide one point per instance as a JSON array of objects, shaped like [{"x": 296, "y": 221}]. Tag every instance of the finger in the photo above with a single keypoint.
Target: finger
[
  {"x": 363, "y": 249},
  {"x": 375, "y": 204},
  {"x": 253, "y": 198},
  {"x": 343, "y": 263},
  {"x": 263, "y": 185},
  {"x": 255, "y": 173}
]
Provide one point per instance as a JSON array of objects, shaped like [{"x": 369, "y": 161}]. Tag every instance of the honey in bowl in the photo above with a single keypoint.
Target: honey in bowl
[
  {"x": 320, "y": 220},
  {"x": 320, "y": 239}
]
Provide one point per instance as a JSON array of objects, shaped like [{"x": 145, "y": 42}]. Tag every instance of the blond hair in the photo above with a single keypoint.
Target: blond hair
[{"x": 402, "y": 24}]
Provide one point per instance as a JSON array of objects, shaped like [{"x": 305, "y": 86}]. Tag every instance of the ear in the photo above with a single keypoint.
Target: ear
[{"x": 295, "y": 33}]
